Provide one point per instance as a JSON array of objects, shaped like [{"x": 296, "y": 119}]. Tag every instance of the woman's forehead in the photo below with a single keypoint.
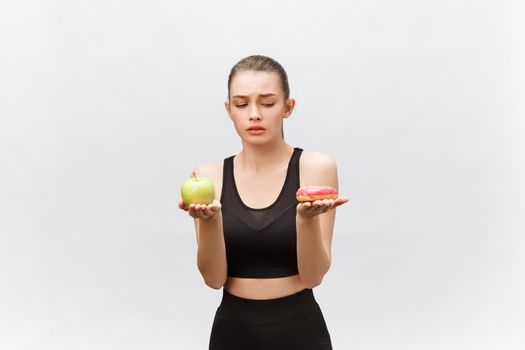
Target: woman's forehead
[{"x": 253, "y": 82}]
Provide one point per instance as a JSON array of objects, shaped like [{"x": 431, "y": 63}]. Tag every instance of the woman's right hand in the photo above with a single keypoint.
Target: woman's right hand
[{"x": 201, "y": 211}]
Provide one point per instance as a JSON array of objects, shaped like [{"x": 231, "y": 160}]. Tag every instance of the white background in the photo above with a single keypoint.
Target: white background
[{"x": 107, "y": 106}]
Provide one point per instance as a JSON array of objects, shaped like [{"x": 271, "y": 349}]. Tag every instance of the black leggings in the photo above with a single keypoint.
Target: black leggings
[{"x": 293, "y": 322}]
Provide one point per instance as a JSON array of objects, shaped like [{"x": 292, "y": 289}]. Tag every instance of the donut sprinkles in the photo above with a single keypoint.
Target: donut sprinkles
[{"x": 313, "y": 193}]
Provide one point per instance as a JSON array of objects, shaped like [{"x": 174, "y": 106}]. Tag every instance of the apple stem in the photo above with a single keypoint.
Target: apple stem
[{"x": 194, "y": 177}]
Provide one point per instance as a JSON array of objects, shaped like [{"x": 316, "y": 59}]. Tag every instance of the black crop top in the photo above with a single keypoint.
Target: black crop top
[{"x": 261, "y": 242}]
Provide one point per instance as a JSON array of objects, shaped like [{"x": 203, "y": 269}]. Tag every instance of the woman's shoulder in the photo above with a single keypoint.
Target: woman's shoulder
[
  {"x": 209, "y": 169},
  {"x": 313, "y": 159},
  {"x": 317, "y": 168}
]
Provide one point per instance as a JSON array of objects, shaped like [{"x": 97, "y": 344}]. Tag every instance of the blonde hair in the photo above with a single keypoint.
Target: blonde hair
[{"x": 262, "y": 63}]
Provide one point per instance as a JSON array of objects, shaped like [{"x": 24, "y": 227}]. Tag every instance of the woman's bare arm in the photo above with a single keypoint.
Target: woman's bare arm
[{"x": 211, "y": 250}]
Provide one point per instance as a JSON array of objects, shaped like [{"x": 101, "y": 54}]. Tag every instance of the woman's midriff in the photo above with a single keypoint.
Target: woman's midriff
[{"x": 264, "y": 288}]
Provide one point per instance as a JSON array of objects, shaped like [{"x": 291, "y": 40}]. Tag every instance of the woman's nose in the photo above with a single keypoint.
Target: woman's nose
[{"x": 254, "y": 113}]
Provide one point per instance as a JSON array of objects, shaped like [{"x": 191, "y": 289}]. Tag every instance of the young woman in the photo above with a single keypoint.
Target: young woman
[{"x": 266, "y": 249}]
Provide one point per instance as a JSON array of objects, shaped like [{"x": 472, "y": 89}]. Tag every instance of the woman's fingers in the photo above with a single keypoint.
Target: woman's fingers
[
  {"x": 195, "y": 210},
  {"x": 182, "y": 205},
  {"x": 207, "y": 210},
  {"x": 204, "y": 211},
  {"x": 321, "y": 206},
  {"x": 341, "y": 201},
  {"x": 191, "y": 209}
]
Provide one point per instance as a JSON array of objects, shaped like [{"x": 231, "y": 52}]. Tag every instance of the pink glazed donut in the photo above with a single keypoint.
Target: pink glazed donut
[{"x": 312, "y": 193}]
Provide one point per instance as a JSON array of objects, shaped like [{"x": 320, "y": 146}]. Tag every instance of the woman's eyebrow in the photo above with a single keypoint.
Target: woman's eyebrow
[{"x": 262, "y": 95}]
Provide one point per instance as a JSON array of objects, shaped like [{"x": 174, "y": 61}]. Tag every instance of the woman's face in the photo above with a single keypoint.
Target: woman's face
[{"x": 256, "y": 98}]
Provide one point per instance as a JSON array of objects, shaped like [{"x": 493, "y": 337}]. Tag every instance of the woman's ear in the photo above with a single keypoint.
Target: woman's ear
[
  {"x": 290, "y": 105},
  {"x": 227, "y": 106}
]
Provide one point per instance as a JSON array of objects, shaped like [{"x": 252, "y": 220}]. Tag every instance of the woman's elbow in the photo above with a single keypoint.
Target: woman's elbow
[{"x": 215, "y": 284}]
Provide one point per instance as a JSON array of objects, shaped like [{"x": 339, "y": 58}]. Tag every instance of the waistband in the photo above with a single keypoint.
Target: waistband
[{"x": 265, "y": 311}]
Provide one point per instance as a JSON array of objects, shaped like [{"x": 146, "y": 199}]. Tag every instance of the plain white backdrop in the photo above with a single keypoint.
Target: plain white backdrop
[{"x": 107, "y": 106}]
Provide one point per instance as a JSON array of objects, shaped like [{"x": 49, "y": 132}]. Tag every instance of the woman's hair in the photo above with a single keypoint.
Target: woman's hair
[{"x": 262, "y": 63}]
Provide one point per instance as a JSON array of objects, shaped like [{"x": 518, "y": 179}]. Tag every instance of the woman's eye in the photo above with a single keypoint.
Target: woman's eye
[{"x": 266, "y": 104}]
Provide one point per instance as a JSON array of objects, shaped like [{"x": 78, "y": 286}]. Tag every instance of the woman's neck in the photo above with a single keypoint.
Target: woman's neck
[{"x": 255, "y": 159}]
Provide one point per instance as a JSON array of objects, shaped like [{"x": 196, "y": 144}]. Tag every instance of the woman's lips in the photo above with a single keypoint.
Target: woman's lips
[{"x": 256, "y": 131}]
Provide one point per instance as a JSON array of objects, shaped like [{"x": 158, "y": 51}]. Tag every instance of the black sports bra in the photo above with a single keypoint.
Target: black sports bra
[{"x": 261, "y": 242}]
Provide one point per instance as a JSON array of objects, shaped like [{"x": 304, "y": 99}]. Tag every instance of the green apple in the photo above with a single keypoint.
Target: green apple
[{"x": 197, "y": 190}]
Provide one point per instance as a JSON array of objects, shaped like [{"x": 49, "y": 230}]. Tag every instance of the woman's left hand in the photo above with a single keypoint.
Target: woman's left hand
[{"x": 310, "y": 209}]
